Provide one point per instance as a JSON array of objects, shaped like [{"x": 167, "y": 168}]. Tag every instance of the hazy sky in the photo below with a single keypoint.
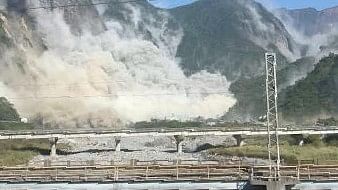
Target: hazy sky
[
  {"x": 297, "y": 4},
  {"x": 170, "y": 3},
  {"x": 291, "y": 4}
]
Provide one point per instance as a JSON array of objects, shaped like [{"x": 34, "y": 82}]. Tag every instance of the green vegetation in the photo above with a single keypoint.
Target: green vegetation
[
  {"x": 16, "y": 126},
  {"x": 7, "y": 112},
  {"x": 217, "y": 37},
  {"x": 156, "y": 123},
  {"x": 18, "y": 152},
  {"x": 313, "y": 149},
  {"x": 290, "y": 154},
  {"x": 310, "y": 97},
  {"x": 9, "y": 117},
  {"x": 235, "y": 124},
  {"x": 314, "y": 95},
  {"x": 168, "y": 124},
  {"x": 328, "y": 121},
  {"x": 179, "y": 138},
  {"x": 250, "y": 93}
]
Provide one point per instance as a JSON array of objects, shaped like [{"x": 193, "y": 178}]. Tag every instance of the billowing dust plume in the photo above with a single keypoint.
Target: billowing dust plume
[{"x": 113, "y": 76}]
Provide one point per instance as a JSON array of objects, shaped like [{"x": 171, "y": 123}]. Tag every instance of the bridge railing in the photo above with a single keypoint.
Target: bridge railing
[
  {"x": 125, "y": 173},
  {"x": 230, "y": 161},
  {"x": 165, "y": 172},
  {"x": 134, "y": 162},
  {"x": 161, "y": 130}
]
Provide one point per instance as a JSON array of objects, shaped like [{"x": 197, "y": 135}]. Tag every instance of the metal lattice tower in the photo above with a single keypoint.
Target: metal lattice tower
[{"x": 272, "y": 115}]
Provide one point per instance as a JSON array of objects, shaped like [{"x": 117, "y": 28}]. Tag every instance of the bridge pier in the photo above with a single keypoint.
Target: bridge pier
[
  {"x": 323, "y": 136},
  {"x": 53, "y": 142},
  {"x": 301, "y": 142},
  {"x": 239, "y": 140},
  {"x": 179, "y": 143},
  {"x": 117, "y": 144},
  {"x": 300, "y": 139}
]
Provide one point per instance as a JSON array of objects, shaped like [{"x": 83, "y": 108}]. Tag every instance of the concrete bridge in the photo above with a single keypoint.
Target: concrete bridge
[
  {"x": 238, "y": 133},
  {"x": 99, "y": 133},
  {"x": 257, "y": 176}
]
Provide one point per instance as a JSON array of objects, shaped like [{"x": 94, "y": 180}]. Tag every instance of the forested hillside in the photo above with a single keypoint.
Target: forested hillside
[
  {"x": 316, "y": 95},
  {"x": 7, "y": 112},
  {"x": 250, "y": 93},
  {"x": 230, "y": 37}
]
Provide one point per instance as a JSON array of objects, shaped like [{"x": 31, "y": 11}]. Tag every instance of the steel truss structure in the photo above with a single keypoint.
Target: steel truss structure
[{"x": 272, "y": 115}]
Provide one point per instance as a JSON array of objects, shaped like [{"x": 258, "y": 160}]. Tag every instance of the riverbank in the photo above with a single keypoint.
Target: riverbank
[{"x": 315, "y": 150}]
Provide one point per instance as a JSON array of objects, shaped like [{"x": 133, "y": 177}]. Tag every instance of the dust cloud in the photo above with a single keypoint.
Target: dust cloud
[{"x": 113, "y": 77}]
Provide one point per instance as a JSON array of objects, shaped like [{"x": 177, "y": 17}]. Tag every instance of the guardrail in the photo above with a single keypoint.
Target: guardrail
[
  {"x": 134, "y": 162},
  {"x": 123, "y": 173},
  {"x": 160, "y": 130},
  {"x": 178, "y": 172}
]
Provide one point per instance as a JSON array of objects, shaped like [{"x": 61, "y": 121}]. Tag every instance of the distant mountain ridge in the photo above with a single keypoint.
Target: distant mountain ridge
[
  {"x": 310, "y": 21},
  {"x": 230, "y": 36},
  {"x": 226, "y": 36}
]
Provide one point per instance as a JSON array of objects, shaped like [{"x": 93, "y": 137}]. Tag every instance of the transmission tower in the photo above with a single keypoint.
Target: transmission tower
[{"x": 272, "y": 115}]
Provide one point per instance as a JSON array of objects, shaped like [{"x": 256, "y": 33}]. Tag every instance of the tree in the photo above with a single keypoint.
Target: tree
[{"x": 7, "y": 111}]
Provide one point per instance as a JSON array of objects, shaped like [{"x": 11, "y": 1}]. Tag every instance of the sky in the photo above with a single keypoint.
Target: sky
[
  {"x": 298, "y": 4},
  {"x": 290, "y": 4},
  {"x": 170, "y": 3}
]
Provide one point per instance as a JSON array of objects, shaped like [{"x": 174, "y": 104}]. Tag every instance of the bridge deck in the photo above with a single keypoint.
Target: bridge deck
[{"x": 85, "y": 133}]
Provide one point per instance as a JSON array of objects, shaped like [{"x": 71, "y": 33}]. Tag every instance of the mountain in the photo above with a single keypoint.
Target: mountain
[
  {"x": 314, "y": 96},
  {"x": 220, "y": 36},
  {"x": 230, "y": 36},
  {"x": 316, "y": 30},
  {"x": 250, "y": 93},
  {"x": 226, "y": 36},
  {"x": 188, "y": 51},
  {"x": 310, "y": 21}
]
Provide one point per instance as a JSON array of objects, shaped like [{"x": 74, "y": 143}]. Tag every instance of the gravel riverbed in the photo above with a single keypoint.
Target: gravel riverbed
[{"x": 145, "y": 148}]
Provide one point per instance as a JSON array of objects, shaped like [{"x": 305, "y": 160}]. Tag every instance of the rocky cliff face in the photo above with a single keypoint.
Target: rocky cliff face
[
  {"x": 311, "y": 21},
  {"x": 316, "y": 30},
  {"x": 220, "y": 36},
  {"x": 80, "y": 18},
  {"x": 111, "y": 63},
  {"x": 231, "y": 36}
]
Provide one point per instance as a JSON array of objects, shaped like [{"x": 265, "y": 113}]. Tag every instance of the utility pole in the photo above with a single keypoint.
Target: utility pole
[{"x": 272, "y": 115}]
